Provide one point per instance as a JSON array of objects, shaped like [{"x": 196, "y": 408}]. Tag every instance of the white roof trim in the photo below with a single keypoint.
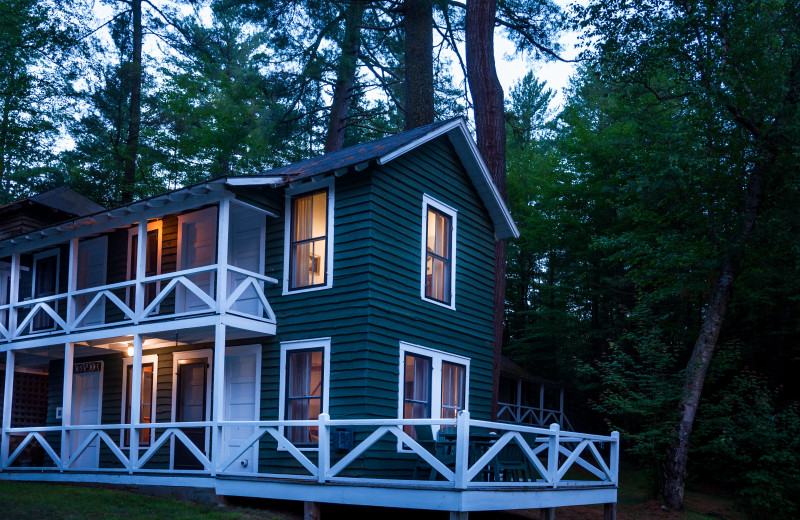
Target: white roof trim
[
  {"x": 254, "y": 181},
  {"x": 467, "y": 150}
]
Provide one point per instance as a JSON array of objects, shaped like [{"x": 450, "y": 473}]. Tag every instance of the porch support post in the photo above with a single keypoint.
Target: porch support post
[
  {"x": 13, "y": 296},
  {"x": 72, "y": 283},
  {"x": 459, "y": 515},
  {"x": 610, "y": 511},
  {"x": 66, "y": 404},
  {"x": 141, "y": 265},
  {"x": 541, "y": 406},
  {"x": 136, "y": 400},
  {"x": 7, "y": 400},
  {"x": 462, "y": 450},
  {"x": 324, "y": 446},
  {"x": 218, "y": 399},
  {"x": 552, "y": 454},
  {"x": 561, "y": 407},
  {"x": 519, "y": 401},
  {"x": 548, "y": 513},
  {"x": 222, "y": 255}
]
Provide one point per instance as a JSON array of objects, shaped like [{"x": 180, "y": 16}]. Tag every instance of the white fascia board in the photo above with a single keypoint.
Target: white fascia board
[
  {"x": 254, "y": 181},
  {"x": 467, "y": 151}
]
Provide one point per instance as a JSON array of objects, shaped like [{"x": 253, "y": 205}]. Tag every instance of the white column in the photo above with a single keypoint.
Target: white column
[
  {"x": 7, "y": 400},
  {"x": 223, "y": 232},
  {"x": 66, "y": 403},
  {"x": 462, "y": 449},
  {"x": 141, "y": 265},
  {"x": 324, "y": 447},
  {"x": 136, "y": 400},
  {"x": 13, "y": 296},
  {"x": 72, "y": 283},
  {"x": 218, "y": 398},
  {"x": 552, "y": 454}
]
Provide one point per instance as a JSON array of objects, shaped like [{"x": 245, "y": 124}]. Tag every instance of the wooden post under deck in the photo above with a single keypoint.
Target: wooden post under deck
[
  {"x": 548, "y": 513},
  {"x": 311, "y": 511},
  {"x": 610, "y": 511}
]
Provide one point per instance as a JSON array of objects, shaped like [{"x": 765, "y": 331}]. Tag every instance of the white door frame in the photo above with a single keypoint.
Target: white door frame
[{"x": 194, "y": 216}]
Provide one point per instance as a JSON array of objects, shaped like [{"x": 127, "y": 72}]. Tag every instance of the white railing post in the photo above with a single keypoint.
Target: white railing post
[
  {"x": 324, "y": 439},
  {"x": 136, "y": 401},
  {"x": 218, "y": 410},
  {"x": 614, "y": 458},
  {"x": 462, "y": 450},
  {"x": 141, "y": 271},
  {"x": 223, "y": 233},
  {"x": 552, "y": 454},
  {"x": 13, "y": 296},
  {"x": 66, "y": 404},
  {"x": 72, "y": 284},
  {"x": 7, "y": 403}
]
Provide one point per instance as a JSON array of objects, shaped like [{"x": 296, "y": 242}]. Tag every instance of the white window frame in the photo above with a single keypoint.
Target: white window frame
[
  {"x": 436, "y": 357},
  {"x": 208, "y": 354},
  {"x": 294, "y": 191},
  {"x": 134, "y": 230},
  {"x": 304, "y": 344},
  {"x": 56, "y": 252},
  {"x": 428, "y": 201},
  {"x": 126, "y": 362}
]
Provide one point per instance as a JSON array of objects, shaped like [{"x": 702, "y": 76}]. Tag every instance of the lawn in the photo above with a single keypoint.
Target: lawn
[{"x": 39, "y": 501}]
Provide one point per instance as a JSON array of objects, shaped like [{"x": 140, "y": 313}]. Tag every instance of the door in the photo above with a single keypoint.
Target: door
[
  {"x": 246, "y": 251},
  {"x": 91, "y": 273},
  {"x": 242, "y": 368},
  {"x": 191, "y": 406},
  {"x": 197, "y": 239},
  {"x": 86, "y": 409}
]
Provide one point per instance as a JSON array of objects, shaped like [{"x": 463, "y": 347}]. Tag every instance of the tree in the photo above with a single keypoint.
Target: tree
[{"x": 733, "y": 70}]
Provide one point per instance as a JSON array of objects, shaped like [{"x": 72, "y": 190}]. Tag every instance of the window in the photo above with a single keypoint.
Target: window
[
  {"x": 147, "y": 399},
  {"x": 433, "y": 384},
  {"x": 309, "y": 244},
  {"x": 45, "y": 283},
  {"x": 304, "y": 387},
  {"x": 152, "y": 264},
  {"x": 438, "y": 252}
]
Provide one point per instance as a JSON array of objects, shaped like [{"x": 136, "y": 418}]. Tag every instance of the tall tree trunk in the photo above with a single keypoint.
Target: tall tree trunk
[
  {"x": 418, "y": 23},
  {"x": 770, "y": 146},
  {"x": 4, "y": 123},
  {"x": 135, "y": 108},
  {"x": 487, "y": 99},
  {"x": 345, "y": 76}
]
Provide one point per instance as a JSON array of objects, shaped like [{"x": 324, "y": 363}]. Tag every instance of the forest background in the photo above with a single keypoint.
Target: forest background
[{"x": 657, "y": 274}]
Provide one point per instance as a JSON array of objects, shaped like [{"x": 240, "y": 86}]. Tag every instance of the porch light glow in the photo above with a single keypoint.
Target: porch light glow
[{"x": 130, "y": 350}]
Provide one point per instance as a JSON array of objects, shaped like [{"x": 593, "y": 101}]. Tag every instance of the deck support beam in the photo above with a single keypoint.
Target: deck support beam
[
  {"x": 459, "y": 515},
  {"x": 311, "y": 511},
  {"x": 610, "y": 511}
]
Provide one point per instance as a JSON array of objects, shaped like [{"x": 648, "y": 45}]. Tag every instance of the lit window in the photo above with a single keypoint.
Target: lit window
[
  {"x": 438, "y": 253},
  {"x": 424, "y": 371},
  {"x": 309, "y": 240}
]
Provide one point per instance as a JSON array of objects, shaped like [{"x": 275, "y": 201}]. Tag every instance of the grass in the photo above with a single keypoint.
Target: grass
[{"x": 42, "y": 501}]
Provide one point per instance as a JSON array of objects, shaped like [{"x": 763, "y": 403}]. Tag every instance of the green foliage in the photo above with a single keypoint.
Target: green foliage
[{"x": 749, "y": 440}]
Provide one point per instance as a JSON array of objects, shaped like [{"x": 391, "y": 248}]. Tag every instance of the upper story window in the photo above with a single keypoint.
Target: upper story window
[
  {"x": 438, "y": 252},
  {"x": 45, "y": 283},
  {"x": 309, "y": 228}
]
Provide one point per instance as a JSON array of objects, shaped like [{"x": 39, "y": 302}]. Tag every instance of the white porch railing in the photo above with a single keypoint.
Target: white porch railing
[
  {"x": 481, "y": 454},
  {"x": 113, "y": 304},
  {"x": 532, "y": 415}
]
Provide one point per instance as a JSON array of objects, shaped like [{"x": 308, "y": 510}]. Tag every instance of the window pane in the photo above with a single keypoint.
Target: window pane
[
  {"x": 303, "y": 393},
  {"x": 454, "y": 378},
  {"x": 309, "y": 239},
  {"x": 416, "y": 390},
  {"x": 438, "y": 259}
]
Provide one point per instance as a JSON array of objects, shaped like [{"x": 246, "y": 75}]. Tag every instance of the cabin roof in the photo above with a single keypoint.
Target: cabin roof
[
  {"x": 385, "y": 150},
  {"x": 61, "y": 198}
]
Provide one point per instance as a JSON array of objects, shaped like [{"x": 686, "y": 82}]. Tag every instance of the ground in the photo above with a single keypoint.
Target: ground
[{"x": 38, "y": 501}]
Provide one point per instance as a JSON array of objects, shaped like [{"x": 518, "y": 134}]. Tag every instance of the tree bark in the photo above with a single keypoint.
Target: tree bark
[
  {"x": 135, "y": 107},
  {"x": 487, "y": 99},
  {"x": 345, "y": 77},
  {"x": 763, "y": 169},
  {"x": 418, "y": 23}
]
